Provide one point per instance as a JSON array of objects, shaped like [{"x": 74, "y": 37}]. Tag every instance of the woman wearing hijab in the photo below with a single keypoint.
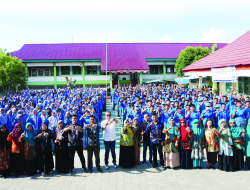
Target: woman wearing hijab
[
  {"x": 197, "y": 144},
  {"x": 237, "y": 135},
  {"x": 33, "y": 119},
  {"x": 4, "y": 151},
  {"x": 16, "y": 158},
  {"x": 45, "y": 158},
  {"x": 3, "y": 117},
  {"x": 137, "y": 144},
  {"x": 53, "y": 120},
  {"x": 10, "y": 119},
  {"x": 42, "y": 118},
  {"x": 127, "y": 152},
  {"x": 67, "y": 119},
  {"x": 171, "y": 153},
  {"x": 247, "y": 145},
  {"x": 225, "y": 160},
  {"x": 186, "y": 145},
  {"x": 61, "y": 149},
  {"x": 20, "y": 118},
  {"x": 30, "y": 155},
  {"x": 211, "y": 142}
]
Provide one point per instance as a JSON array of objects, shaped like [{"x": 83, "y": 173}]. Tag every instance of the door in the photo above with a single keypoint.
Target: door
[
  {"x": 228, "y": 87},
  {"x": 241, "y": 87}
]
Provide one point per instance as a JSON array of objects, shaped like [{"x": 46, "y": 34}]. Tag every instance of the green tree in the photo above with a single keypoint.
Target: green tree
[
  {"x": 12, "y": 72},
  {"x": 213, "y": 48},
  {"x": 188, "y": 56}
]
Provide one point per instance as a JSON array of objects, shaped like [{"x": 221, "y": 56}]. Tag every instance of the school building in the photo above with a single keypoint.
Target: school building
[
  {"x": 228, "y": 68},
  {"x": 127, "y": 63}
]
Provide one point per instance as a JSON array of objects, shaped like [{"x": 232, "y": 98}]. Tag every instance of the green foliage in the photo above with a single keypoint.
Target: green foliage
[
  {"x": 188, "y": 56},
  {"x": 12, "y": 72},
  {"x": 213, "y": 48}
]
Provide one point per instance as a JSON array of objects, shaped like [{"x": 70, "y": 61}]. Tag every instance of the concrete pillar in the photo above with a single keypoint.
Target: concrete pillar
[
  {"x": 55, "y": 85},
  {"x": 140, "y": 78},
  {"x": 200, "y": 81},
  {"x": 215, "y": 86},
  {"x": 164, "y": 72},
  {"x": 110, "y": 80},
  {"x": 83, "y": 75}
]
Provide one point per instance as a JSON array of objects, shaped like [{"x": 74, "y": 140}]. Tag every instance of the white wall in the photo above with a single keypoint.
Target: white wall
[
  {"x": 78, "y": 78},
  {"x": 152, "y": 77},
  {"x": 102, "y": 77},
  {"x": 155, "y": 63},
  {"x": 41, "y": 79},
  {"x": 39, "y": 64}
]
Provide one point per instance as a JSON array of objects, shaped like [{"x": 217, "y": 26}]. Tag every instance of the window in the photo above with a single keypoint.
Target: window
[
  {"x": 153, "y": 69},
  {"x": 244, "y": 85},
  {"x": 77, "y": 70},
  {"x": 40, "y": 72},
  {"x": 46, "y": 72},
  {"x": 33, "y": 72},
  {"x": 91, "y": 70},
  {"x": 65, "y": 70},
  {"x": 170, "y": 69}
]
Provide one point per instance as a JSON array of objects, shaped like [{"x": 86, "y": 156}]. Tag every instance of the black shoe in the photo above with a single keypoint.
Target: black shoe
[
  {"x": 143, "y": 163},
  {"x": 99, "y": 170},
  {"x": 154, "y": 165},
  {"x": 84, "y": 170},
  {"x": 90, "y": 171}
]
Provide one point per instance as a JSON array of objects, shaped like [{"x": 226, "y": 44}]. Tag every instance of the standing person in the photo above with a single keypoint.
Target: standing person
[
  {"x": 74, "y": 135},
  {"x": 16, "y": 158},
  {"x": 225, "y": 160},
  {"x": 237, "y": 135},
  {"x": 61, "y": 149},
  {"x": 212, "y": 145},
  {"x": 45, "y": 158},
  {"x": 4, "y": 151},
  {"x": 127, "y": 152},
  {"x": 186, "y": 145},
  {"x": 30, "y": 155},
  {"x": 247, "y": 145},
  {"x": 156, "y": 138},
  {"x": 171, "y": 153},
  {"x": 109, "y": 138},
  {"x": 137, "y": 139},
  {"x": 197, "y": 144},
  {"x": 93, "y": 143},
  {"x": 146, "y": 140}
]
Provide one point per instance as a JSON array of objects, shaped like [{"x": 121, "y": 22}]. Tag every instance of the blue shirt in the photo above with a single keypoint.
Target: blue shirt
[{"x": 156, "y": 135}]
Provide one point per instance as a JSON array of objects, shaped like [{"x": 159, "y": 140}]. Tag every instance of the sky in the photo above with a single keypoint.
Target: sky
[{"x": 61, "y": 21}]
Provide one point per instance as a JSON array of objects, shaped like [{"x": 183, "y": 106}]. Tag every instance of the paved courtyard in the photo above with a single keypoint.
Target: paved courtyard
[{"x": 139, "y": 177}]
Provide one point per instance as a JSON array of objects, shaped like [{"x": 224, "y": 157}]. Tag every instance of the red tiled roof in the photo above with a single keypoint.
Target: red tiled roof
[{"x": 235, "y": 53}]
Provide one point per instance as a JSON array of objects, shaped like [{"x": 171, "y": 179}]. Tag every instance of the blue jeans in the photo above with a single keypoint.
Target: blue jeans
[
  {"x": 145, "y": 147},
  {"x": 109, "y": 145}
]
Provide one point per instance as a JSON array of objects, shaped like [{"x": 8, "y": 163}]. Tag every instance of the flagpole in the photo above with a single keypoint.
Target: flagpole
[{"x": 106, "y": 64}]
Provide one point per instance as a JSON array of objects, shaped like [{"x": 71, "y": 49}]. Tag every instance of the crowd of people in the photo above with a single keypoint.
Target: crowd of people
[
  {"x": 35, "y": 125},
  {"x": 186, "y": 124}
]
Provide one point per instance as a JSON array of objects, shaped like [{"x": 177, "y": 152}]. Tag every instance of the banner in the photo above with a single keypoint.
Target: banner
[{"x": 227, "y": 74}]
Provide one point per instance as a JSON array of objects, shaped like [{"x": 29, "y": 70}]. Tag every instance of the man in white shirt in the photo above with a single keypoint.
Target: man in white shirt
[{"x": 109, "y": 138}]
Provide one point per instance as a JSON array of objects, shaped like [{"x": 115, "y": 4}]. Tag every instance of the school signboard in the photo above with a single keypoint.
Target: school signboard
[{"x": 226, "y": 74}]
